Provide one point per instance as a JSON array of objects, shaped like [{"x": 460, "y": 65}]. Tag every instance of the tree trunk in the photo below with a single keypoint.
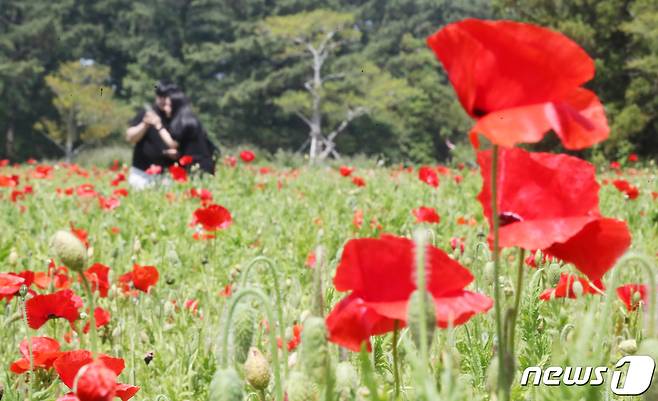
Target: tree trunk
[
  {"x": 9, "y": 141},
  {"x": 316, "y": 118},
  {"x": 70, "y": 137}
]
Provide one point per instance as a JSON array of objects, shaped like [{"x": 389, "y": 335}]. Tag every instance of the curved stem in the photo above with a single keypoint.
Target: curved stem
[
  {"x": 279, "y": 300},
  {"x": 29, "y": 348},
  {"x": 396, "y": 359},
  {"x": 503, "y": 388},
  {"x": 92, "y": 317},
  {"x": 265, "y": 303}
]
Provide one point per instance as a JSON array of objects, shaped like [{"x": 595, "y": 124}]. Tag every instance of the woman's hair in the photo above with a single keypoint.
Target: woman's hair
[
  {"x": 182, "y": 115},
  {"x": 164, "y": 88}
]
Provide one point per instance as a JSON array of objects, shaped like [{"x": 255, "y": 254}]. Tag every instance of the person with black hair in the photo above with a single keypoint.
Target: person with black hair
[
  {"x": 187, "y": 130},
  {"x": 154, "y": 144}
]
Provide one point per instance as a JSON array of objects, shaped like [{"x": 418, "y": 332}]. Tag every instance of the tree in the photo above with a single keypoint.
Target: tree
[{"x": 85, "y": 106}]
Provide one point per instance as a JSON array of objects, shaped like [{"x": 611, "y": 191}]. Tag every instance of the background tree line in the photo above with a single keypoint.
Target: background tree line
[{"x": 73, "y": 71}]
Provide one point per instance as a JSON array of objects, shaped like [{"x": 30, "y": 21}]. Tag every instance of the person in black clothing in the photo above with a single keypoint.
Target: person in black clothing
[
  {"x": 187, "y": 130},
  {"x": 154, "y": 144}
]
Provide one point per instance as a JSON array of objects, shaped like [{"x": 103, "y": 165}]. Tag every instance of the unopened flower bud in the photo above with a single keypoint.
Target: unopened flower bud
[
  {"x": 577, "y": 288},
  {"x": 539, "y": 258},
  {"x": 243, "y": 332},
  {"x": 225, "y": 386},
  {"x": 628, "y": 347},
  {"x": 22, "y": 291},
  {"x": 13, "y": 257},
  {"x": 257, "y": 370},
  {"x": 347, "y": 380},
  {"x": 300, "y": 388},
  {"x": 137, "y": 245},
  {"x": 414, "y": 313},
  {"x": 489, "y": 272},
  {"x": 314, "y": 356},
  {"x": 69, "y": 249}
]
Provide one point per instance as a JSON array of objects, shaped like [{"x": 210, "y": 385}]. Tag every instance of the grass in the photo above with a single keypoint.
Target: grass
[{"x": 314, "y": 206}]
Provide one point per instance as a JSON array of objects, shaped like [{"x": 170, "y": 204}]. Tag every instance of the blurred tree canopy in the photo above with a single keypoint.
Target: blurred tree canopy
[{"x": 248, "y": 84}]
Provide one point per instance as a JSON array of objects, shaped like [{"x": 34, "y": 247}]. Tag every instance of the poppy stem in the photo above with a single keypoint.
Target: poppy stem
[
  {"x": 503, "y": 386},
  {"x": 396, "y": 359},
  {"x": 517, "y": 300},
  {"x": 92, "y": 317},
  {"x": 265, "y": 304},
  {"x": 29, "y": 342},
  {"x": 279, "y": 299}
]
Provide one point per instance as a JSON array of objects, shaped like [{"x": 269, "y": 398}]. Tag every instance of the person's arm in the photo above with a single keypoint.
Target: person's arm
[
  {"x": 166, "y": 137},
  {"x": 136, "y": 133}
]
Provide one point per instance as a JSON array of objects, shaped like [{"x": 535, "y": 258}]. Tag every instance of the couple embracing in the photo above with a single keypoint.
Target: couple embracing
[{"x": 165, "y": 132}]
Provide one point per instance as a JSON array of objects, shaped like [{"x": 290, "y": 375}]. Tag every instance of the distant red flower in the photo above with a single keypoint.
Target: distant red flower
[
  {"x": 615, "y": 165},
  {"x": 109, "y": 203},
  {"x": 425, "y": 214},
  {"x": 101, "y": 318},
  {"x": 120, "y": 192},
  {"x": 550, "y": 202},
  {"x": 154, "y": 169},
  {"x": 633, "y": 157},
  {"x": 227, "y": 291},
  {"x": 61, "y": 304},
  {"x": 428, "y": 176},
  {"x": 10, "y": 284},
  {"x": 511, "y": 77},
  {"x": 115, "y": 165},
  {"x": 118, "y": 179},
  {"x": 178, "y": 173},
  {"x": 358, "y": 181},
  {"x": 632, "y": 294},
  {"x": 185, "y": 160},
  {"x": 631, "y": 192},
  {"x": 213, "y": 217},
  {"x": 203, "y": 194},
  {"x": 565, "y": 288},
  {"x": 45, "y": 350},
  {"x": 115, "y": 230},
  {"x": 357, "y": 219},
  {"x": 346, "y": 171},
  {"x": 296, "y": 339},
  {"x": 42, "y": 171},
  {"x": 142, "y": 277},
  {"x": 81, "y": 234},
  {"x": 654, "y": 195},
  {"x": 97, "y": 275},
  {"x": 9, "y": 181},
  {"x": 247, "y": 156},
  {"x": 457, "y": 243},
  {"x": 4, "y": 162},
  {"x": 230, "y": 161},
  {"x": 86, "y": 190},
  {"x": 379, "y": 273},
  {"x": 310, "y": 260}
]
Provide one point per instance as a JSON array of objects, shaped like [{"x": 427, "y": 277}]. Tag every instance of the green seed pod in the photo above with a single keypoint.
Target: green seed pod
[
  {"x": 243, "y": 331},
  {"x": 225, "y": 386},
  {"x": 300, "y": 388},
  {"x": 628, "y": 347},
  {"x": 414, "y": 314},
  {"x": 315, "y": 350},
  {"x": 13, "y": 257},
  {"x": 650, "y": 347},
  {"x": 69, "y": 249},
  {"x": 489, "y": 272},
  {"x": 257, "y": 370},
  {"x": 347, "y": 380}
]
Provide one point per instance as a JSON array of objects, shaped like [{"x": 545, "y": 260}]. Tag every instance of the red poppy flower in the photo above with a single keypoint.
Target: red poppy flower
[
  {"x": 4, "y": 162},
  {"x": 428, "y": 176},
  {"x": 42, "y": 171},
  {"x": 45, "y": 351},
  {"x": 633, "y": 157},
  {"x": 203, "y": 194},
  {"x": 227, "y": 291},
  {"x": 511, "y": 77},
  {"x": 60, "y": 275},
  {"x": 101, "y": 318},
  {"x": 97, "y": 275},
  {"x": 357, "y": 219},
  {"x": 213, "y": 217},
  {"x": 118, "y": 179},
  {"x": 109, "y": 203},
  {"x": 69, "y": 363},
  {"x": 346, "y": 171},
  {"x": 358, "y": 181},
  {"x": 115, "y": 165},
  {"x": 86, "y": 190},
  {"x": 565, "y": 288},
  {"x": 185, "y": 160},
  {"x": 10, "y": 284},
  {"x": 631, "y": 192},
  {"x": 230, "y": 161},
  {"x": 311, "y": 259},
  {"x": 426, "y": 214},
  {"x": 81, "y": 234},
  {"x": 126, "y": 391},
  {"x": 247, "y": 156},
  {"x": 632, "y": 294},
  {"x": 178, "y": 173},
  {"x": 550, "y": 202},
  {"x": 143, "y": 277},
  {"x": 154, "y": 169},
  {"x": 380, "y": 275},
  {"x": 120, "y": 192},
  {"x": 61, "y": 304},
  {"x": 9, "y": 181},
  {"x": 457, "y": 243},
  {"x": 615, "y": 165}
]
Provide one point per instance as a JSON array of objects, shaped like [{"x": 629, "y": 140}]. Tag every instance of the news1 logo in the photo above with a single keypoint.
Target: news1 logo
[{"x": 636, "y": 381}]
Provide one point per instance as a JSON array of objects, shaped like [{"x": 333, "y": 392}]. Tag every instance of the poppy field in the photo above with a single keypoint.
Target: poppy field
[{"x": 345, "y": 282}]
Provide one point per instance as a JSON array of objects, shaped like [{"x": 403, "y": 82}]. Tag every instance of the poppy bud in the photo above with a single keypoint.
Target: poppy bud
[
  {"x": 95, "y": 382},
  {"x": 314, "y": 354},
  {"x": 637, "y": 298},
  {"x": 22, "y": 291},
  {"x": 137, "y": 245},
  {"x": 414, "y": 316},
  {"x": 243, "y": 332},
  {"x": 649, "y": 347},
  {"x": 257, "y": 370},
  {"x": 577, "y": 288},
  {"x": 69, "y": 249},
  {"x": 346, "y": 380},
  {"x": 225, "y": 386},
  {"x": 553, "y": 274},
  {"x": 300, "y": 388},
  {"x": 489, "y": 272},
  {"x": 539, "y": 258},
  {"x": 628, "y": 347},
  {"x": 13, "y": 257},
  {"x": 90, "y": 252}
]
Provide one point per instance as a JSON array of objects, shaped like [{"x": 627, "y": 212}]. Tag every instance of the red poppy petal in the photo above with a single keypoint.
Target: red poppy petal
[
  {"x": 20, "y": 366},
  {"x": 459, "y": 308},
  {"x": 68, "y": 364},
  {"x": 540, "y": 234},
  {"x": 596, "y": 248},
  {"x": 579, "y": 120},
  {"x": 126, "y": 391}
]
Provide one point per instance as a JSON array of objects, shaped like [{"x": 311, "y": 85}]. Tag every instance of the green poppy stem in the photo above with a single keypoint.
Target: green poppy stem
[
  {"x": 29, "y": 345},
  {"x": 396, "y": 358},
  {"x": 517, "y": 300},
  {"x": 92, "y": 317}
]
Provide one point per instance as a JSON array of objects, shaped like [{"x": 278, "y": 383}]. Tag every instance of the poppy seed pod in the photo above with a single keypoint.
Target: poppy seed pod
[
  {"x": 414, "y": 316},
  {"x": 243, "y": 332},
  {"x": 13, "y": 257},
  {"x": 347, "y": 380},
  {"x": 299, "y": 388},
  {"x": 315, "y": 350},
  {"x": 650, "y": 347},
  {"x": 69, "y": 249},
  {"x": 628, "y": 347},
  {"x": 225, "y": 386},
  {"x": 257, "y": 370}
]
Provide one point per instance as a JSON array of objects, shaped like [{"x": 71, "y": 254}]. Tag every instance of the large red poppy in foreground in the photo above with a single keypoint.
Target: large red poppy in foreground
[
  {"x": 550, "y": 202},
  {"x": 61, "y": 304},
  {"x": 520, "y": 80},
  {"x": 45, "y": 351},
  {"x": 380, "y": 275}
]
